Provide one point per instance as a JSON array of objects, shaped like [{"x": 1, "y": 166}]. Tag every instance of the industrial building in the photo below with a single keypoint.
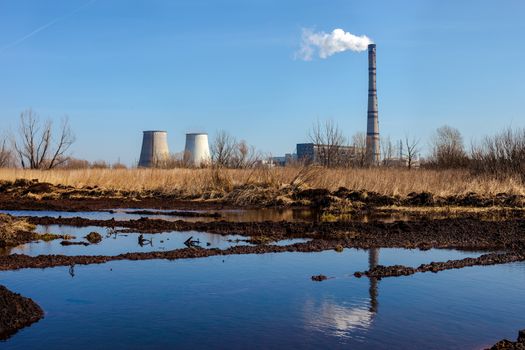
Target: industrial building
[
  {"x": 197, "y": 150},
  {"x": 155, "y": 149},
  {"x": 372, "y": 130},
  {"x": 311, "y": 153}
]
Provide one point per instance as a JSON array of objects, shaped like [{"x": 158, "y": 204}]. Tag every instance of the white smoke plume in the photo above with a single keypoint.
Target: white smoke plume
[{"x": 326, "y": 44}]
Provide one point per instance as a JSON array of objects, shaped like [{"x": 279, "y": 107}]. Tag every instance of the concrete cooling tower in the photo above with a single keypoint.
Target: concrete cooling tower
[
  {"x": 197, "y": 150},
  {"x": 154, "y": 148}
]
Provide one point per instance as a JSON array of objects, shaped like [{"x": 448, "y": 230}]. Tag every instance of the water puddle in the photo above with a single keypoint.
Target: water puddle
[
  {"x": 115, "y": 243},
  {"x": 269, "y": 301},
  {"x": 240, "y": 215}
]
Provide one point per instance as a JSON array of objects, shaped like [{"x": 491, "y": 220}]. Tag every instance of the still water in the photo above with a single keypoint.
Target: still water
[
  {"x": 237, "y": 215},
  {"x": 268, "y": 301},
  {"x": 115, "y": 243}
]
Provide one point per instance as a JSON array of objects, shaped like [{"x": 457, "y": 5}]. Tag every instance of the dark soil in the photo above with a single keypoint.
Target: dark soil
[
  {"x": 67, "y": 243},
  {"x": 94, "y": 237},
  {"x": 505, "y": 344},
  {"x": 21, "y": 237},
  {"x": 400, "y": 270},
  {"x": 16, "y": 312},
  {"x": 19, "y": 261},
  {"x": 463, "y": 234},
  {"x": 319, "y": 278},
  {"x": 20, "y": 195},
  {"x": 182, "y": 213}
]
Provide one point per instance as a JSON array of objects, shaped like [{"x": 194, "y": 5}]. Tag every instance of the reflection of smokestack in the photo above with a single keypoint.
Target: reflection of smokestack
[
  {"x": 154, "y": 148},
  {"x": 372, "y": 130},
  {"x": 197, "y": 150},
  {"x": 373, "y": 260}
]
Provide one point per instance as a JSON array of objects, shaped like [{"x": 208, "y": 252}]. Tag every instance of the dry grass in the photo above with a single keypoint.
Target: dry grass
[
  {"x": 196, "y": 182},
  {"x": 10, "y": 227}
]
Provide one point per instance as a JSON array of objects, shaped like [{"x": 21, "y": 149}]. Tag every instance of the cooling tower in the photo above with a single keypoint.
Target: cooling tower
[
  {"x": 197, "y": 150},
  {"x": 372, "y": 130},
  {"x": 154, "y": 148}
]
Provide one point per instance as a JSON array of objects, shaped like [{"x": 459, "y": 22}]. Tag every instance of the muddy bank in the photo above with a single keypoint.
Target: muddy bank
[
  {"x": 505, "y": 344},
  {"x": 483, "y": 260},
  {"x": 16, "y": 312},
  {"x": 463, "y": 234},
  {"x": 15, "y": 231},
  {"x": 33, "y": 195},
  {"x": 182, "y": 213},
  {"x": 19, "y": 261}
]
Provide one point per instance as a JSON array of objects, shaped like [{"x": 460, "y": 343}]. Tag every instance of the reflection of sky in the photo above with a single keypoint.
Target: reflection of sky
[
  {"x": 337, "y": 319},
  {"x": 267, "y": 214},
  {"x": 118, "y": 243}
]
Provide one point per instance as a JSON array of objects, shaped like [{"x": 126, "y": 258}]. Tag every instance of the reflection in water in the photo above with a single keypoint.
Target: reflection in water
[
  {"x": 373, "y": 261},
  {"x": 337, "y": 319},
  {"x": 340, "y": 319}
]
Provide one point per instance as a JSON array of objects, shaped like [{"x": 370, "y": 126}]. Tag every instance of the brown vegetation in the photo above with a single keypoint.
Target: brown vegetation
[
  {"x": 13, "y": 231},
  {"x": 212, "y": 183}
]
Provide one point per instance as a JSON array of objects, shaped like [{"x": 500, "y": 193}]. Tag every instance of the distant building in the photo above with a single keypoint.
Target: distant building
[
  {"x": 316, "y": 154},
  {"x": 278, "y": 161}
]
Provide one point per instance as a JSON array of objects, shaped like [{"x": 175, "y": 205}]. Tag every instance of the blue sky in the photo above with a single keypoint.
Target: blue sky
[{"x": 117, "y": 67}]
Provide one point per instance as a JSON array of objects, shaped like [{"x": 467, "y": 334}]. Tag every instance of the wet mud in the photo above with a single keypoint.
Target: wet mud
[
  {"x": 19, "y": 261},
  {"x": 469, "y": 231},
  {"x": 25, "y": 194},
  {"x": 16, "y": 312},
  {"x": 319, "y": 278},
  {"x": 181, "y": 213},
  {"x": 458, "y": 233},
  {"x": 483, "y": 260},
  {"x": 505, "y": 344}
]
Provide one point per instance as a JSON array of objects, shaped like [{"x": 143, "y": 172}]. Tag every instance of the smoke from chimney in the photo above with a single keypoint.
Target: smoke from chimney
[{"x": 325, "y": 45}]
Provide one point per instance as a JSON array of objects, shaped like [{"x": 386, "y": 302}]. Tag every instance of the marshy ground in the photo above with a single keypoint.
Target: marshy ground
[{"x": 490, "y": 221}]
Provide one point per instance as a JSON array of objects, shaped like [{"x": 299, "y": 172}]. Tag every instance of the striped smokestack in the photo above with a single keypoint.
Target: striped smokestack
[{"x": 372, "y": 130}]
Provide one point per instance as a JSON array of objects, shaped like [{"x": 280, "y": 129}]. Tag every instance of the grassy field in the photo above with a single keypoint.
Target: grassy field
[{"x": 388, "y": 181}]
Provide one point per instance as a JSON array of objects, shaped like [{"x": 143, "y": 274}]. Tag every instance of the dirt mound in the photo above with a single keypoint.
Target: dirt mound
[
  {"x": 505, "y": 344},
  {"x": 14, "y": 231},
  {"x": 319, "y": 278},
  {"x": 483, "y": 260},
  {"x": 366, "y": 197},
  {"x": 16, "y": 312},
  {"x": 94, "y": 237},
  {"x": 41, "y": 187}
]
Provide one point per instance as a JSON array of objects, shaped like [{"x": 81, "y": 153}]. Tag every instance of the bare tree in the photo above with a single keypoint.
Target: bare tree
[
  {"x": 245, "y": 156},
  {"x": 448, "y": 150},
  {"x": 411, "y": 150},
  {"x": 227, "y": 152},
  {"x": 359, "y": 144},
  {"x": 35, "y": 145},
  {"x": 6, "y": 156},
  {"x": 501, "y": 155},
  {"x": 223, "y": 149},
  {"x": 328, "y": 138},
  {"x": 388, "y": 150}
]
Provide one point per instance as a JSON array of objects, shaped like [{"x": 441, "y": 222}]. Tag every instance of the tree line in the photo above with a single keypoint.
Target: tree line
[{"x": 39, "y": 144}]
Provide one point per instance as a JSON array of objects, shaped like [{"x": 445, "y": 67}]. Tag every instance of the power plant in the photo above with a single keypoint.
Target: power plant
[
  {"x": 372, "y": 130},
  {"x": 154, "y": 148},
  {"x": 197, "y": 149}
]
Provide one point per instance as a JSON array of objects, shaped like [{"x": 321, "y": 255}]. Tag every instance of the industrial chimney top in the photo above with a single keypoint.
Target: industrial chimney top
[
  {"x": 197, "y": 133},
  {"x": 153, "y": 131},
  {"x": 371, "y": 46}
]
